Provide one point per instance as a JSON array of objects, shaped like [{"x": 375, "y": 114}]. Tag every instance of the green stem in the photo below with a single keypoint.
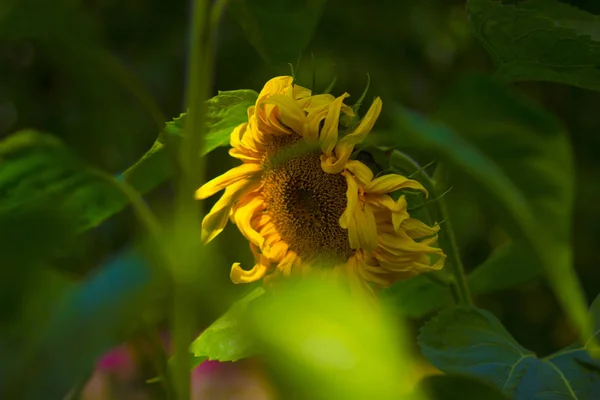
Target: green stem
[
  {"x": 154, "y": 229},
  {"x": 141, "y": 209},
  {"x": 453, "y": 257},
  {"x": 188, "y": 210},
  {"x": 152, "y": 344}
]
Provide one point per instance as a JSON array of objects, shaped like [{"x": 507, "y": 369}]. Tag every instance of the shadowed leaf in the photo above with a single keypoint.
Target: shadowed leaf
[
  {"x": 541, "y": 40},
  {"x": 280, "y": 30},
  {"x": 471, "y": 341}
]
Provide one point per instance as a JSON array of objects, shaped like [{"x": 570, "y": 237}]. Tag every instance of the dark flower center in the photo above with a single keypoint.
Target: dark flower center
[{"x": 305, "y": 203}]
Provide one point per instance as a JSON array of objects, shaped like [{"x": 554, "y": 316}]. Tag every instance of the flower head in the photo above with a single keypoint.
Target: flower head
[{"x": 303, "y": 203}]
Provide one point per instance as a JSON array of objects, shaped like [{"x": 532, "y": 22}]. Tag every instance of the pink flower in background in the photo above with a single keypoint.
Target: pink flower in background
[
  {"x": 229, "y": 381},
  {"x": 117, "y": 378},
  {"x": 119, "y": 361}
]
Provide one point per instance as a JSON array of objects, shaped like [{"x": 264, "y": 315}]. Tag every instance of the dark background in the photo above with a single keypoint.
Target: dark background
[{"x": 78, "y": 69}]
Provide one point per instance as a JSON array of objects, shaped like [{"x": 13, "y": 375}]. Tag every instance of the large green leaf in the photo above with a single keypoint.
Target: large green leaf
[
  {"x": 36, "y": 166},
  {"x": 470, "y": 341},
  {"x": 520, "y": 162},
  {"x": 539, "y": 40},
  {"x": 279, "y": 30},
  {"x": 225, "y": 339}
]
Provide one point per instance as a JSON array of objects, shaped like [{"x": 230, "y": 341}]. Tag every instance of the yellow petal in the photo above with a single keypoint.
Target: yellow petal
[
  {"x": 417, "y": 229},
  {"x": 352, "y": 197},
  {"x": 277, "y": 85},
  {"x": 392, "y": 182},
  {"x": 271, "y": 239},
  {"x": 242, "y": 217},
  {"x": 299, "y": 92},
  {"x": 239, "y": 275},
  {"x": 366, "y": 228},
  {"x": 268, "y": 229},
  {"x": 329, "y": 134},
  {"x": 333, "y": 165},
  {"x": 397, "y": 208},
  {"x": 313, "y": 123},
  {"x": 317, "y": 101},
  {"x": 246, "y": 157},
  {"x": 360, "y": 171},
  {"x": 214, "y": 222},
  {"x": 356, "y": 281},
  {"x": 358, "y": 219},
  {"x": 242, "y": 172},
  {"x": 290, "y": 114},
  {"x": 285, "y": 265},
  {"x": 241, "y": 145},
  {"x": 236, "y": 134},
  {"x": 277, "y": 251},
  {"x": 365, "y": 125}
]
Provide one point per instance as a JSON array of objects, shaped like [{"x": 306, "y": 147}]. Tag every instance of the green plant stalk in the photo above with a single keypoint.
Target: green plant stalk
[
  {"x": 151, "y": 224},
  {"x": 188, "y": 212},
  {"x": 144, "y": 214},
  {"x": 456, "y": 267},
  {"x": 150, "y": 337}
]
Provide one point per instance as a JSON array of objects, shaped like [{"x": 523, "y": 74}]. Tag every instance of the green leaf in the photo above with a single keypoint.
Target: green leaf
[
  {"x": 470, "y": 341},
  {"x": 448, "y": 387},
  {"x": 519, "y": 159},
  {"x": 225, "y": 339},
  {"x": 225, "y": 111},
  {"x": 321, "y": 342},
  {"x": 36, "y": 167},
  {"x": 279, "y": 30},
  {"x": 541, "y": 40},
  {"x": 575, "y": 362}
]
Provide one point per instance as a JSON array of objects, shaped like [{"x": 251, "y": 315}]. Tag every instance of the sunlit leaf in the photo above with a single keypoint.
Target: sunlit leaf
[
  {"x": 520, "y": 161},
  {"x": 543, "y": 40},
  {"x": 225, "y": 111},
  {"x": 321, "y": 342},
  {"x": 225, "y": 339},
  {"x": 470, "y": 341},
  {"x": 280, "y": 30}
]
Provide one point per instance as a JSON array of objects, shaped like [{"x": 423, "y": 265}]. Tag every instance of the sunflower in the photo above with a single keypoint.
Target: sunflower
[{"x": 304, "y": 205}]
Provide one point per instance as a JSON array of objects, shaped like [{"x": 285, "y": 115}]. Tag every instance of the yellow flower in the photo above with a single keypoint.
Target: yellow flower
[{"x": 305, "y": 206}]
